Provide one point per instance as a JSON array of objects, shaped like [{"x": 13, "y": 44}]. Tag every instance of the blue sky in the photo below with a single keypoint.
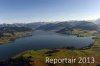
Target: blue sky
[{"x": 24, "y": 11}]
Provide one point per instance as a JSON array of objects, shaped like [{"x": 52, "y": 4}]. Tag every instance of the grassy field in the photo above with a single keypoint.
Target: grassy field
[{"x": 37, "y": 58}]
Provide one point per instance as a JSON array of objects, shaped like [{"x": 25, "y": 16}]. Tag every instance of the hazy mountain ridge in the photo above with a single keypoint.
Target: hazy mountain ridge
[
  {"x": 85, "y": 25},
  {"x": 97, "y": 21},
  {"x": 29, "y": 25}
]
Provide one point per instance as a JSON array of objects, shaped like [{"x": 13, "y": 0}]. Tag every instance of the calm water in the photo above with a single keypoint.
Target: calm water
[{"x": 42, "y": 40}]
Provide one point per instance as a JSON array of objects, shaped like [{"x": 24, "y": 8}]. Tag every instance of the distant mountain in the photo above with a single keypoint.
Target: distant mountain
[
  {"x": 97, "y": 21},
  {"x": 54, "y": 26},
  {"x": 12, "y": 25},
  {"x": 47, "y": 26},
  {"x": 85, "y": 25},
  {"x": 35, "y": 25},
  {"x": 29, "y": 25},
  {"x": 14, "y": 29}
]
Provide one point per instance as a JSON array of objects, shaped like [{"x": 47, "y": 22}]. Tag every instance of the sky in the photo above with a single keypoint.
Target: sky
[{"x": 25, "y": 11}]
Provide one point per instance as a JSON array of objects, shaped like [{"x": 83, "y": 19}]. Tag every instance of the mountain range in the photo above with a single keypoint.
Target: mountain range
[
  {"x": 97, "y": 21},
  {"x": 85, "y": 25}
]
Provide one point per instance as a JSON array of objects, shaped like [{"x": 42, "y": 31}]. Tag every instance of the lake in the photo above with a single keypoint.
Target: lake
[{"x": 42, "y": 40}]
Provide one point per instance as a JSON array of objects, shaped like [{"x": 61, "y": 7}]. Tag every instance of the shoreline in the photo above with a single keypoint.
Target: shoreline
[{"x": 13, "y": 38}]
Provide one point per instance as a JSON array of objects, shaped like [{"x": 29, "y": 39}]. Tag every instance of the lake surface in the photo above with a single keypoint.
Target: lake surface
[{"x": 42, "y": 40}]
